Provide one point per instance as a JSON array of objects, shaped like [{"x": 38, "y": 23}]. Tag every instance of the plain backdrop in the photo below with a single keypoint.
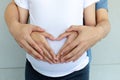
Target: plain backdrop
[{"x": 105, "y": 55}]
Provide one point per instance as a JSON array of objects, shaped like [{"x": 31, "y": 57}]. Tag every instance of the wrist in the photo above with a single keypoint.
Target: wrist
[{"x": 14, "y": 26}]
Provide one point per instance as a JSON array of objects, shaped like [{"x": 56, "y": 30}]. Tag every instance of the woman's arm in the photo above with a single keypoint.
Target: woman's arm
[
  {"x": 11, "y": 16},
  {"x": 21, "y": 32},
  {"x": 39, "y": 40}
]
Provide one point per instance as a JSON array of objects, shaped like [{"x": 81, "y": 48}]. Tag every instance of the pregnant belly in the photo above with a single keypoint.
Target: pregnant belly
[
  {"x": 57, "y": 69},
  {"x": 56, "y": 45}
]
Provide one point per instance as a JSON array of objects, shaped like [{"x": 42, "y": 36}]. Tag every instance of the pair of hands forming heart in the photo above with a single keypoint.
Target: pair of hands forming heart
[
  {"x": 79, "y": 39},
  {"x": 47, "y": 54}
]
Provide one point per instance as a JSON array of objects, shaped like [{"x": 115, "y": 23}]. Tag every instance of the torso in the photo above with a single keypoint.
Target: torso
[{"x": 55, "y": 16}]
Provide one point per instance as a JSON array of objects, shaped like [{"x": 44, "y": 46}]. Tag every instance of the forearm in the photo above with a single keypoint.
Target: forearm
[
  {"x": 103, "y": 28},
  {"x": 103, "y": 23},
  {"x": 11, "y": 15}
]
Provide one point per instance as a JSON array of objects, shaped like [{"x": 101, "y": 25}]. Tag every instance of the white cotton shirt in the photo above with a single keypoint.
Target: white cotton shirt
[{"x": 55, "y": 16}]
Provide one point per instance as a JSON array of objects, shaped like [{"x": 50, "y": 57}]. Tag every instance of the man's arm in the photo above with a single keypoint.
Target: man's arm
[
  {"x": 102, "y": 18},
  {"x": 79, "y": 45},
  {"x": 91, "y": 35},
  {"x": 103, "y": 23}
]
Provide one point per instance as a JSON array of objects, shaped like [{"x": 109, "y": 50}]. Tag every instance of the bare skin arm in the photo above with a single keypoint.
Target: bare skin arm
[
  {"x": 103, "y": 23},
  {"x": 91, "y": 35},
  {"x": 75, "y": 48},
  {"x": 11, "y": 17},
  {"x": 103, "y": 27},
  {"x": 22, "y": 31}
]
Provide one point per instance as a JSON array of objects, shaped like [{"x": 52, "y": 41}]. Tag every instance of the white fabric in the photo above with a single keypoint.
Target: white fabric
[
  {"x": 22, "y": 3},
  {"x": 55, "y": 16},
  {"x": 89, "y": 2}
]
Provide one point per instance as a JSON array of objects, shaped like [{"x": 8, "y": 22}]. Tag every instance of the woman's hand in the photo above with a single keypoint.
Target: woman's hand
[{"x": 40, "y": 39}]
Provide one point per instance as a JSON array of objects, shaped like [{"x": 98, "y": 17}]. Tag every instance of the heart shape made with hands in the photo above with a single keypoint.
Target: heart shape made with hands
[{"x": 56, "y": 45}]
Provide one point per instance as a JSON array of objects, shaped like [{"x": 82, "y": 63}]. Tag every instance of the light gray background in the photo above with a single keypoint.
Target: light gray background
[{"x": 106, "y": 54}]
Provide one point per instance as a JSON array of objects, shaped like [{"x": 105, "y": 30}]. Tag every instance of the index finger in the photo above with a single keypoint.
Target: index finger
[
  {"x": 33, "y": 44},
  {"x": 69, "y": 40},
  {"x": 49, "y": 49},
  {"x": 69, "y": 47}
]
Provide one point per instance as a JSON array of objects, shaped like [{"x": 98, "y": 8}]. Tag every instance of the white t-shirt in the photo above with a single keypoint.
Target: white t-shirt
[{"x": 55, "y": 16}]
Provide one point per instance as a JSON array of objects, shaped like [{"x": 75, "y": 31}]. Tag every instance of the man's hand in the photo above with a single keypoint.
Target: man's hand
[
  {"x": 75, "y": 46},
  {"x": 71, "y": 36},
  {"x": 40, "y": 39}
]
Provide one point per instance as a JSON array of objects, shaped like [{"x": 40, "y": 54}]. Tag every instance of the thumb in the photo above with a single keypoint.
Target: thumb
[
  {"x": 63, "y": 35},
  {"x": 73, "y": 28},
  {"x": 36, "y": 28},
  {"x": 47, "y": 35}
]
